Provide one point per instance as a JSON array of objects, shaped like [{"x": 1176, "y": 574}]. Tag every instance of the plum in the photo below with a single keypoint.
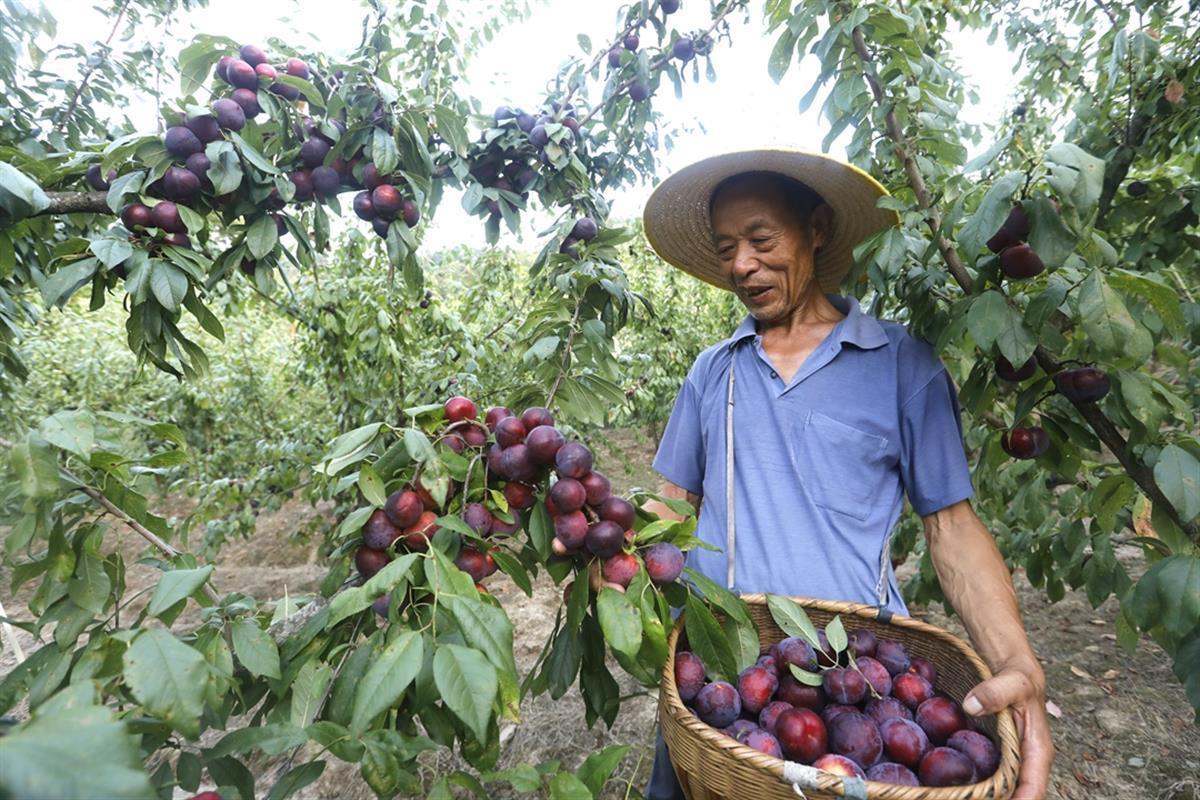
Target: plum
[
  {"x": 856, "y": 736},
  {"x": 229, "y": 114},
  {"x": 472, "y": 432},
  {"x": 631, "y": 42},
  {"x": 573, "y": 460},
  {"x": 571, "y": 529},
  {"x": 410, "y": 213},
  {"x": 1014, "y": 229},
  {"x": 369, "y": 561},
  {"x": 684, "y": 49},
  {"x": 326, "y": 181},
  {"x": 96, "y": 179},
  {"x": 535, "y": 416},
  {"x": 620, "y": 568},
  {"x": 770, "y": 713},
  {"x": 606, "y": 538},
  {"x": 689, "y": 675},
  {"x": 598, "y": 488},
  {"x": 495, "y": 414},
  {"x": 206, "y": 127},
  {"x": 925, "y": 668},
  {"x": 638, "y": 91},
  {"x": 1006, "y": 371},
  {"x": 840, "y": 765},
  {"x": 1084, "y": 385},
  {"x": 940, "y": 717},
  {"x": 1020, "y": 261},
  {"x": 794, "y": 650},
  {"x": 297, "y": 68},
  {"x": 544, "y": 442},
  {"x": 242, "y": 75},
  {"x": 516, "y": 465},
  {"x": 510, "y": 431},
  {"x": 567, "y": 494},
  {"x": 302, "y": 180},
  {"x": 893, "y": 656},
  {"x": 519, "y": 495},
  {"x": 417, "y": 535},
  {"x": 979, "y": 749},
  {"x": 739, "y": 729},
  {"x": 911, "y": 689},
  {"x": 252, "y": 54},
  {"x": 799, "y": 694},
  {"x": 756, "y": 687},
  {"x": 1024, "y": 442},
  {"x": 863, "y": 643},
  {"x": 585, "y": 229},
  {"x": 891, "y": 772},
  {"x": 764, "y": 742},
  {"x": 664, "y": 561},
  {"x": 614, "y": 57},
  {"x": 247, "y": 100},
  {"x": 506, "y": 528},
  {"x": 945, "y": 766},
  {"x": 165, "y": 216},
  {"x": 767, "y": 662},
  {"x": 618, "y": 510},
  {"x": 718, "y": 704},
  {"x": 876, "y": 675},
  {"x": 478, "y": 518},
  {"x": 180, "y": 183},
  {"x": 181, "y": 142},
  {"x": 833, "y": 711},
  {"x": 802, "y": 735},
  {"x": 387, "y": 202},
  {"x": 845, "y": 686},
  {"x": 363, "y": 207},
  {"x": 887, "y": 708},
  {"x": 904, "y": 742},
  {"x": 379, "y": 532},
  {"x": 473, "y": 562}
]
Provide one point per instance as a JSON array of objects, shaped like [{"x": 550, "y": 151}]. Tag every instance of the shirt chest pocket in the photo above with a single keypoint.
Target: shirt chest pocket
[{"x": 841, "y": 467}]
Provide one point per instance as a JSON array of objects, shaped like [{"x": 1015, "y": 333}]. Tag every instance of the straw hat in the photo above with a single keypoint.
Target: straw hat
[{"x": 678, "y": 226}]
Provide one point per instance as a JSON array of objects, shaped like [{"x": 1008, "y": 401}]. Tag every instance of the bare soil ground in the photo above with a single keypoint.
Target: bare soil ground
[{"x": 1123, "y": 727}]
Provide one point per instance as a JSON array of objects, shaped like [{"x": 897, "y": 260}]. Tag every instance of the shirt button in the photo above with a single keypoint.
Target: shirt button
[{"x": 774, "y": 374}]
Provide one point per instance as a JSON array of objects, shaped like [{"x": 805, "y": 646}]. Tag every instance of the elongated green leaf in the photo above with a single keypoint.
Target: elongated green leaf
[
  {"x": 792, "y": 619},
  {"x": 1169, "y": 595},
  {"x": 708, "y": 640},
  {"x": 385, "y": 681},
  {"x": 168, "y": 678},
  {"x": 168, "y": 283},
  {"x": 1108, "y": 322},
  {"x": 73, "y": 431},
  {"x": 489, "y": 630},
  {"x": 175, "y": 585},
  {"x": 620, "y": 621},
  {"x": 255, "y": 649},
  {"x": 467, "y": 683},
  {"x": 1177, "y": 473},
  {"x": 308, "y": 690},
  {"x": 262, "y": 236},
  {"x": 296, "y": 779},
  {"x": 272, "y": 739}
]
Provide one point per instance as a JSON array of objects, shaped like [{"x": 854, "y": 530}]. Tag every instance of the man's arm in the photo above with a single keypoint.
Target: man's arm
[
  {"x": 978, "y": 585},
  {"x": 668, "y": 489}
]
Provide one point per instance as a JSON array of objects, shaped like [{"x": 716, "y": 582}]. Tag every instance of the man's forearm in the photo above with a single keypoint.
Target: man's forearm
[
  {"x": 662, "y": 510},
  {"x": 978, "y": 585}
]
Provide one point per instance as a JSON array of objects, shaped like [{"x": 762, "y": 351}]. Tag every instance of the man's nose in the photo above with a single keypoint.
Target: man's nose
[{"x": 745, "y": 262}]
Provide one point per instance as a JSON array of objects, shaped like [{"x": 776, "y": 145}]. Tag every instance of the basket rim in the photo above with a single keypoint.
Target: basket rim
[{"x": 1000, "y": 784}]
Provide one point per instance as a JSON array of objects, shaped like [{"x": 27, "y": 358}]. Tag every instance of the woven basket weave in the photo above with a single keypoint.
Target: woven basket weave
[{"x": 713, "y": 766}]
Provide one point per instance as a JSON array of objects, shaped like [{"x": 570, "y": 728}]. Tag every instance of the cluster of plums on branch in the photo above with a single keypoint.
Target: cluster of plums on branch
[
  {"x": 1017, "y": 258},
  {"x": 880, "y": 719},
  {"x": 1083, "y": 385},
  {"x": 529, "y": 461},
  {"x": 383, "y": 201},
  {"x": 683, "y": 49}
]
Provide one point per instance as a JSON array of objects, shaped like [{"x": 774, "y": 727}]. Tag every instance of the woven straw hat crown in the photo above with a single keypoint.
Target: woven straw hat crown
[{"x": 679, "y": 229}]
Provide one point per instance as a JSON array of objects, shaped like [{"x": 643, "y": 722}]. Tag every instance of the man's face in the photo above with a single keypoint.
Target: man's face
[{"x": 764, "y": 251}]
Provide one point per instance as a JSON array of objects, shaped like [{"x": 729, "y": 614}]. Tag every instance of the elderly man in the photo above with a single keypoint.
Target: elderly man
[{"x": 833, "y": 417}]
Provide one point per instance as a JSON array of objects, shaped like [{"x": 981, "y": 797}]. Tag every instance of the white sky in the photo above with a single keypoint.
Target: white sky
[{"x": 743, "y": 109}]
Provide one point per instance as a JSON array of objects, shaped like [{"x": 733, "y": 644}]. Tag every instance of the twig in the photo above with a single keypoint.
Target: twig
[
  {"x": 62, "y": 124},
  {"x": 75, "y": 203},
  {"x": 566, "y": 354},
  {"x": 11, "y": 635}
]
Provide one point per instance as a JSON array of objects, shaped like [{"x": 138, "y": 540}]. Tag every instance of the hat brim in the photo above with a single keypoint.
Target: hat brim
[{"x": 678, "y": 226}]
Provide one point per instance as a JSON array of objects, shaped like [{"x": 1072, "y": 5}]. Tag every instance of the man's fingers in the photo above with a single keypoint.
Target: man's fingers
[
  {"x": 1037, "y": 753},
  {"x": 999, "y": 692}
]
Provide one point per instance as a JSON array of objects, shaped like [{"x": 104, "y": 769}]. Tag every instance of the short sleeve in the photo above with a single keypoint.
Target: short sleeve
[
  {"x": 680, "y": 457},
  {"x": 933, "y": 464}
]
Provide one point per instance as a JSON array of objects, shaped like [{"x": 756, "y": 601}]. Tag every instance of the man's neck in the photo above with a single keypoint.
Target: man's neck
[{"x": 815, "y": 313}]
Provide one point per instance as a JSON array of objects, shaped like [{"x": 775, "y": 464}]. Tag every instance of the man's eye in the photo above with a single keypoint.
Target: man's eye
[{"x": 759, "y": 242}]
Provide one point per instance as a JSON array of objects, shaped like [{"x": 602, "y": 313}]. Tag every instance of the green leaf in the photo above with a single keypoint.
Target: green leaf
[
  {"x": 168, "y": 283},
  {"x": 792, "y": 619},
  {"x": 1177, "y": 473},
  {"x": 262, "y": 236},
  {"x": 58, "y": 288},
  {"x": 35, "y": 467},
  {"x": 73, "y": 431},
  {"x": 296, "y": 779},
  {"x": 73, "y": 747},
  {"x": 992, "y": 321},
  {"x": 1048, "y": 236},
  {"x": 168, "y": 678},
  {"x": 111, "y": 252},
  {"x": 708, "y": 640},
  {"x": 805, "y": 677},
  {"x": 1107, "y": 321},
  {"x": 835, "y": 633},
  {"x": 451, "y": 128},
  {"x": 90, "y": 587},
  {"x": 308, "y": 690},
  {"x": 565, "y": 786},
  {"x": 620, "y": 621},
  {"x": 255, "y": 649},
  {"x": 1169, "y": 595},
  {"x": 1076, "y": 175},
  {"x": 542, "y": 349},
  {"x": 597, "y": 768},
  {"x": 418, "y": 445},
  {"x": 20, "y": 195},
  {"x": 225, "y": 170},
  {"x": 467, "y": 683},
  {"x": 371, "y": 486},
  {"x": 1164, "y": 299},
  {"x": 383, "y": 151},
  {"x": 272, "y": 739},
  {"x": 990, "y": 215},
  {"x": 489, "y": 630},
  {"x": 176, "y": 585},
  {"x": 385, "y": 681},
  {"x": 782, "y": 54}
]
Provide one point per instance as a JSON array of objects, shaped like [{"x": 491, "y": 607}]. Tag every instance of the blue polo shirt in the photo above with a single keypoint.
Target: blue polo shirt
[{"x": 821, "y": 464}]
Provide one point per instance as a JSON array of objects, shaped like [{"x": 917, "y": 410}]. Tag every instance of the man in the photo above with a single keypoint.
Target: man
[{"x": 833, "y": 416}]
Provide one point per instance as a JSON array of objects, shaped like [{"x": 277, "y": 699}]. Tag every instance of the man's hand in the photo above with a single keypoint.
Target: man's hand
[
  {"x": 1022, "y": 690},
  {"x": 976, "y": 581}
]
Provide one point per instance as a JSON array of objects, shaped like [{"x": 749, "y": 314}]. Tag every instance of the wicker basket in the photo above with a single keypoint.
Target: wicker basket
[{"x": 713, "y": 766}]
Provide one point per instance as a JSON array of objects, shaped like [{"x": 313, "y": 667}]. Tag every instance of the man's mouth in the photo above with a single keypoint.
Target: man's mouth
[{"x": 755, "y": 292}]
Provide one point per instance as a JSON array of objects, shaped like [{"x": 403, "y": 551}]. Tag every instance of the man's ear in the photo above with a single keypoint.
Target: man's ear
[{"x": 821, "y": 221}]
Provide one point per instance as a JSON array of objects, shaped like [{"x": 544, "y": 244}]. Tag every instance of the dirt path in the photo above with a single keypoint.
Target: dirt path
[{"x": 1123, "y": 729}]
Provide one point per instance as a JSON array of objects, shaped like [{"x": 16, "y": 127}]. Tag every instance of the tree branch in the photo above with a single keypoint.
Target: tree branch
[
  {"x": 76, "y": 203},
  {"x": 915, "y": 179},
  {"x": 1091, "y": 413},
  {"x": 62, "y": 123},
  {"x": 566, "y": 354}
]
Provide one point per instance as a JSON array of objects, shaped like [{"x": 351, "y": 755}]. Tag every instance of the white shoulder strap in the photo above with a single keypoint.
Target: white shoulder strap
[{"x": 730, "y": 538}]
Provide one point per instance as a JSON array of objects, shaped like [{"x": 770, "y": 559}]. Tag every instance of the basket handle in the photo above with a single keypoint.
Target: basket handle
[{"x": 802, "y": 776}]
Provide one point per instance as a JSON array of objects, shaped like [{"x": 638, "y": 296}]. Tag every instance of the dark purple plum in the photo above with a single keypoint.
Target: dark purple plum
[
  {"x": 911, "y": 689},
  {"x": 535, "y": 416},
  {"x": 543, "y": 442},
  {"x": 940, "y": 718},
  {"x": 979, "y": 749},
  {"x": 369, "y": 561},
  {"x": 893, "y": 656},
  {"x": 799, "y": 694},
  {"x": 206, "y": 127},
  {"x": 598, "y": 488},
  {"x": 247, "y": 100},
  {"x": 891, "y": 772},
  {"x": 478, "y": 518},
  {"x": 516, "y": 463},
  {"x": 904, "y": 742},
  {"x": 856, "y": 736},
  {"x": 887, "y": 708},
  {"x": 567, "y": 494},
  {"x": 718, "y": 704},
  {"x": 664, "y": 561},
  {"x": 510, "y": 431},
  {"x": 763, "y": 742},
  {"x": 181, "y": 142},
  {"x": 770, "y": 714},
  {"x": 571, "y": 529},
  {"x": 844, "y": 686},
  {"x": 945, "y": 766},
  {"x": 689, "y": 675},
  {"x": 863, "y": 643},
  {"x": 876, "y": 675},
  {"x": 573, "y": 460},
  {"x": 925, "y": 668},
  {"x": 606, "y": 539},
  {"x": 618, "y": 510},
  {"x": 756, "y": 686},
  {"x": 230, "y": 114}
]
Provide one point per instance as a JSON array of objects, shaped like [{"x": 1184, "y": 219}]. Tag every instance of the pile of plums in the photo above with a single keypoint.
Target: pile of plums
[
  {"x": 879, "y": 719},
  {"x": 528, "y": 460}
]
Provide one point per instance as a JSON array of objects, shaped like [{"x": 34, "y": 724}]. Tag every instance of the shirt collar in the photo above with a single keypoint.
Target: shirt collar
[{"x": 859, "y": 329}]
